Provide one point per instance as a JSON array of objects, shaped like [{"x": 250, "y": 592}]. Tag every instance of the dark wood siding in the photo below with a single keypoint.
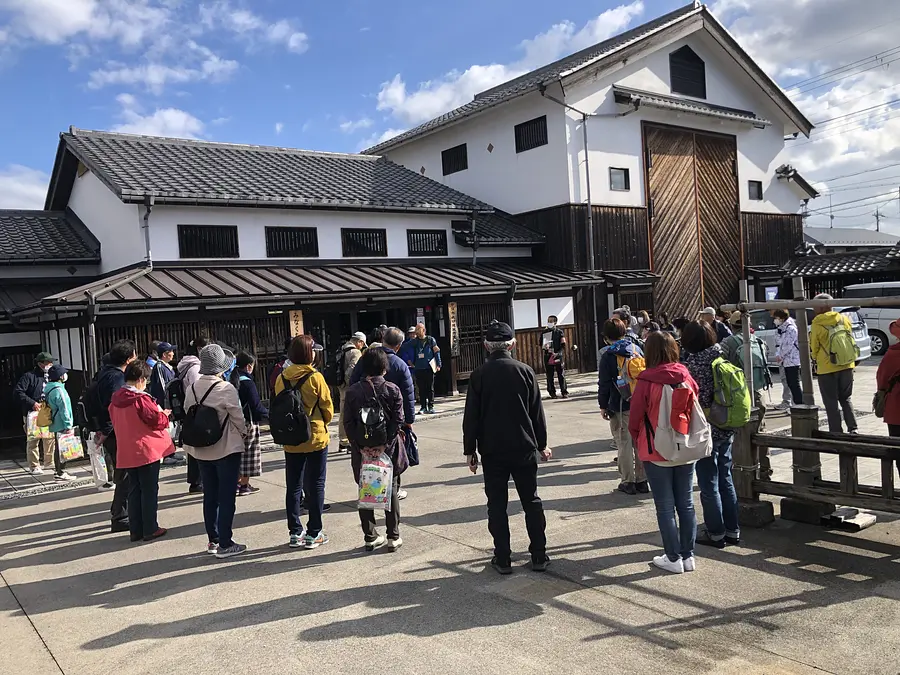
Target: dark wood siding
[
  {"x": 621, "y": 236},
  {"x": 529, "y": 348},
  {"x": 473, "y": 319},
  {"x": 674, "y": 226},
  {"x": 720, "y": 227},
  {"x": 771, "y": 238}
]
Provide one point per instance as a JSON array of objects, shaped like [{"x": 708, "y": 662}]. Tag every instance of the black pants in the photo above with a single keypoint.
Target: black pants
[
  {"x": 425, "y": 380},
  {"x": 558, "y": 369},
  {"x": 193, "y": 472},
  {"x": 59, "y": 466},
  {"x": 894, "y": 430},
  {"x": 143, "y": 500},
  {"x": 497, "y": 472},
  {"x": 391, "y": 518},
  {"x": 118, "y": 510},
  {"x": 836, "y": 390},
  {"x": 792, "y": 373}
]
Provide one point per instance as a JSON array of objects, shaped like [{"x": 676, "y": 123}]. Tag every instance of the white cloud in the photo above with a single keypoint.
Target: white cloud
[
  {"x": 455, "y": 88},
  {"x": 351, "y": 126},
  {"x": 279, "y": 127},
  {"x": 375, "y": 139},
  {"x": 22, "y": 187},
  {"x": 170, "y": 122},
  {"x": 253, "y": 28}
]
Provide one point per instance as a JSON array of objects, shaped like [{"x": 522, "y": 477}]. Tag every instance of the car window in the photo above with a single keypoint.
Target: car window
[
  {"x": 762, "y": 320},
  {"x": 853, "y": 316},
  {"x": 872, "y": 292}
]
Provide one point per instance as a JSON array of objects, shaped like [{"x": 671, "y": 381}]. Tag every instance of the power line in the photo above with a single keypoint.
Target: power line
[
  {"x": 856, "y": 125},
  {"x": 855, "y": 64},
  {"x": 860, "y": 173},
  {"x": 881, "y": 64},
  {"x": 857, "y": 112},
  {"x": 857, "y": 189},
  {"x": 852, "y": 201}
]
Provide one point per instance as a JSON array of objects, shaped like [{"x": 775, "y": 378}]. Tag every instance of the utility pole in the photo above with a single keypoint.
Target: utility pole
[
  {"x": 877, "y": 220},
  {"x": 830, "y": 212}
]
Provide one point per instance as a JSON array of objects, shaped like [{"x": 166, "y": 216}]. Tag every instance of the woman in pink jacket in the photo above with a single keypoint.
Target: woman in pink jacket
[
  {"x": 142, "y": 432},
  {"x": 888, "y": 378},
  {"x": 672, "y": 483}
]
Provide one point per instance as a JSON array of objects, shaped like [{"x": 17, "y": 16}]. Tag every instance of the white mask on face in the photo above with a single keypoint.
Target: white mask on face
[
  {"x": 551, "y": 324},
  {"x": 778, "y": 322},
  {"x": 47, "y": 368}
]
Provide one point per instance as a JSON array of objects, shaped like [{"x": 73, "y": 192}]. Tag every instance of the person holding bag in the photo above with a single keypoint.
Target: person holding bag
[
  {"x": 374, "y": 418},
  {"x": 671, "y": 478},
  {"x": 142, "y": 433},
  {"x": 60, "y": 405}
]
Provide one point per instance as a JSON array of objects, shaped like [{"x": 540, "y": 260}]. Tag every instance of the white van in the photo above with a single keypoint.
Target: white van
[{"x": 878, "y": 319}]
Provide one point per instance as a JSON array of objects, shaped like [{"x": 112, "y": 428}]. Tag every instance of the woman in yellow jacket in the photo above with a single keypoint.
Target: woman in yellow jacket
[{"x": 305, "y": 464}]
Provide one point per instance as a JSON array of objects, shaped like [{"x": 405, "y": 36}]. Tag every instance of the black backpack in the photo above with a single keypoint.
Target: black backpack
[
  {"x": 175, "y": 399},
  {"x": 288, "y": 419},
  {"x": 88, "y": 412},
  {"x": 372, "y": 432},
  {"x": 201, "y": 427},
  {"x": 341, "y": 360}
]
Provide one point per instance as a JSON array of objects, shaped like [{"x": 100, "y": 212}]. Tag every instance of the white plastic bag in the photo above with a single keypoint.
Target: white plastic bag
[
  {"x": 376, "y": 483},
  {"x": 98, "y": 461}
]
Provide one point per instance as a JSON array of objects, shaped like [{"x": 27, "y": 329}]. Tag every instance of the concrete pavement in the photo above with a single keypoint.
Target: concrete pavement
[{"x": 793, "y": 599}]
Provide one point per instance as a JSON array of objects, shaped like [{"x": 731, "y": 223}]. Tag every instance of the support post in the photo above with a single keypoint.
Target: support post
[
  {"x": 807, "y": 469},
  {"x": 803, "y": 344},
  {"x": 745, "y": 334},
  {"x": 751, "y": 511}
]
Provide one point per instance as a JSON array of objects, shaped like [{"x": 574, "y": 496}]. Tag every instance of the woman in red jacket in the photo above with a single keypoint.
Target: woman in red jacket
[
  {"x": 888, "y": 377},
  {"x": 672, "y": 483},
  {"x": 142, "y": 432}
]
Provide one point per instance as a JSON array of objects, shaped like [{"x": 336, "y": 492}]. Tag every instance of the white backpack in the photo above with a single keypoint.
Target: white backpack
[{"x": 687, "y": 436}]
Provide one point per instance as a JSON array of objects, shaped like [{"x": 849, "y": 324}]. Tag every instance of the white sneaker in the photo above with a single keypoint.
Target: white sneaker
[
  {"x": 663, "y": 563},
  {"x": 784, "y": 405},
  {"x": 64, "y": 477},
  {"x": 378, "y": 543},
  {"x": 402, "y": 494},
  {"x": 689, "y": 564},
  {"x": 394, "y": 544},
  {"x": 36, "y": 471},
  {"x": 106, "y": 487}
]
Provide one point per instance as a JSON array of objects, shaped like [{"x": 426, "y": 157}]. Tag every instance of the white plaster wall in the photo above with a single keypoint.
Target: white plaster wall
[
  {"x": 513, "y": 182},
  {"x": 47, "y": 273},
  {"x": 115, "y": 224},
  {"x": 617, "y": 141},
  {"x": 252, "y": 225},
  {"x": 59, "y": 342},
  {"x": 20, "y": 339}
]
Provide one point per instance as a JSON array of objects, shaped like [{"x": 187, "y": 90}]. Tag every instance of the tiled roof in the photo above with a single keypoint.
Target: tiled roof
[
  {"x": 46, "y": 237},
  {"x": 499, "y": 228},
  {"x": 848, "y": 236},
  {"x": 167, "y": 286},
  {"x": 533, "y": 80},
  {"x": 666, "y": 102},
  {"x": 857, "y": 262},
  {"x": 195, "y": 172}
]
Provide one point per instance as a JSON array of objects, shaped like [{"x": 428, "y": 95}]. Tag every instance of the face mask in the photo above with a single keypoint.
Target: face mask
[
  {"x": 46, "y": 368},
  {"x": 64, "y": 378},
  {"x": 778, "y": 322},
  {"x": 640, "y": 319},
  {"x": 551, "y": 324}
]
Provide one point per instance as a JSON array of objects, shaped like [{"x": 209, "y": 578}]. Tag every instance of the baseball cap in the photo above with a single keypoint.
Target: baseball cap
[
  {"x": 56, "y": 373},
  {"x": 411, "y": 329},
  {"x": 707, "y": 310},
  {"x": 164, "y": 347},
  {"x": 43, "y": 357},
  {"x": 358, "y": 335},
  {"x": 498, "y": 331}
]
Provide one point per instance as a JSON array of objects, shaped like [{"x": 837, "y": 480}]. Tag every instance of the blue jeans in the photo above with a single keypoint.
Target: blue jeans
[
  {"x": 673, "y": 491},
  {"x": 220, "y": 478},
  {"x": 305, "y": 472},
  {"x": 717, "y": 494}
]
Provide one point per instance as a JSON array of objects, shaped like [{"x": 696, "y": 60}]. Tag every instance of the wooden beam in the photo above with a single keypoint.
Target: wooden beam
[
  {"x": 828, "y": 446},
  {"x": 827, "y": 496},
  {"x": 887, "y": 478},
  {"x": 849, "y": 474},
  {"x": 858, "y": 438}
]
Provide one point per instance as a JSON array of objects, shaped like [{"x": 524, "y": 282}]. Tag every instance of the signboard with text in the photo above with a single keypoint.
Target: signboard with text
[{"x": 296, "y": 318}]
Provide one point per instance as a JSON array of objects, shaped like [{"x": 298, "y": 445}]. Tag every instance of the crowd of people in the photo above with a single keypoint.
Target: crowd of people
[{"x": 662, "y": 385}]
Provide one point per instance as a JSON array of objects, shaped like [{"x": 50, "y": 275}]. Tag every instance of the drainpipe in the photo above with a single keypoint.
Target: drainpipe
[
  {"x": 148, "y": 208},
  {"x": 474, "y": 240}
]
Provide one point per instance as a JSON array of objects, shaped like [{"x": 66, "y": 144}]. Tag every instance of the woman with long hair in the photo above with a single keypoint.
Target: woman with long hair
[
  {"x": 305, "y": 465},
  {"x": 671, "y": 482}
]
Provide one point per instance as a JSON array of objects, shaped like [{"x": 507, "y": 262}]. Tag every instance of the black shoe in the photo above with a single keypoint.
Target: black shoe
[
  {"x": 732, "y": 541},
  {"x": 504, "y": 567},
  {"x": 627, "y": 488},
  {"x": 553, "y": 395},
  {"x": 119, "y": 526},
  {"x": 565, "y": 394},
  {"x": 136, "y": 538},
  {"x": 642, "y": 486},
  {"x": 705, "y": 540},
  {"x": 540, "y": 565},
  {"x": 195, "y": 489}
]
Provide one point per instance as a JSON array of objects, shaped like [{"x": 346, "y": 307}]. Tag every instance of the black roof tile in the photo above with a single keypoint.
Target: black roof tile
[
  {"x": 857, "y": 262},
  {"x": 46, "y": 237}
]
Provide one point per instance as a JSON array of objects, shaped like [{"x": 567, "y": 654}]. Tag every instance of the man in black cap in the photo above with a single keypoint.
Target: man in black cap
[
  {"x": 30, "y": 394},
  {"x": 504, "y": 422}
]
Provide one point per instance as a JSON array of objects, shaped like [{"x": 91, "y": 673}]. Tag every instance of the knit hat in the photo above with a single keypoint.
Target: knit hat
[{"x": 214, "y": 360}]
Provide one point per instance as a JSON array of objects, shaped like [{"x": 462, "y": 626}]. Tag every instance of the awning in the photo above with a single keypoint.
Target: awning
[
  {"x": 168, "y": 286},
  {"x": 636, "y": 97},
  {"x": 628, "y": 278},
  {"x": 767, "y": 271}
]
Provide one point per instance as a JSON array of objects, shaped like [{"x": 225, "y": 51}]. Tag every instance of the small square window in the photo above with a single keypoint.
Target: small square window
[
  {"x": 756, "y": 191},
  {"x": 619, "y": 180},
  {"x": 531, "y": 134},
  {"x": 455, "y": 159}
]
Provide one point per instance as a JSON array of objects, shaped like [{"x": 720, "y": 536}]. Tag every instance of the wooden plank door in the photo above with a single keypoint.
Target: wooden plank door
[
  {"x": 673, "y": 220},
  {"x": 720, "y": 225}
]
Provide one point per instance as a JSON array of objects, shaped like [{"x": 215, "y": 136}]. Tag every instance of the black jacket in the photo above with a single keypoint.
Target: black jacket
[
  {"x": 109, "y": 380},
  {"x": 504, "y": 416},
  {"x": 254, "y": 410},
  {"x": 398, "y": 373},
  {"x": 30, "y": 389},
  {"x": 557, "y": 345}
]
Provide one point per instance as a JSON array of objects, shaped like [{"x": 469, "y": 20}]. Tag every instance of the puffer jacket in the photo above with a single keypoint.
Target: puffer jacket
[
  {"x": 60, "y": 407},
  {"x": 787, "y": 344},
  {"x": 317, "y": 401},
  {"x": 224, "y": 398},
  {"x": 700, "y": 367},
  {"x": 608, "y": 396},
  {"x": 142, "y": 429}
]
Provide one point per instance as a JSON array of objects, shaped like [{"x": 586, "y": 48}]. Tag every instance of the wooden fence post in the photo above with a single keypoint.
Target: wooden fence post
[
  {"x": 751, "y": 511},
  {"x": 807, "y": 468}
]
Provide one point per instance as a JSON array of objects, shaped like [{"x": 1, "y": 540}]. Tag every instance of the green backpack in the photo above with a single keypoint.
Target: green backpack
[
  {"x": 762, "y": 379},
  {"x": 842, "y": 347},
  {"x": 731, "y": 401}
]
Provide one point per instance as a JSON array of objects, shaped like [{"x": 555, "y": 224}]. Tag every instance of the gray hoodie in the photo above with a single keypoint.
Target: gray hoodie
[{"x": 189, "y": 370}]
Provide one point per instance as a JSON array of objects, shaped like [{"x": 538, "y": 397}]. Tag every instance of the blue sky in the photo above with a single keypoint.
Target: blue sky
[{"x": 338, "y": 76}]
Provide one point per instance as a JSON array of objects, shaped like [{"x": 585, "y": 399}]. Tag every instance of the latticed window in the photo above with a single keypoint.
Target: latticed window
[
  {"x": 531, "y": 134},
  {"x": 292, "y": 242},
  {"x": 364, "y": 243},
  {"x": 427, "y": 242},
  {"x": 208, "y": 241},
  {"x": 455, "y": 159},
  {"x": 687, "y": 73}
]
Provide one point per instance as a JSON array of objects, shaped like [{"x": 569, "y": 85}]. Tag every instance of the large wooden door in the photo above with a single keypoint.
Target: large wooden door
[
  {"x": 720, "y": 227},
  {"x": 673, "y": 220},
  {"x": 695, "y": 224}
]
